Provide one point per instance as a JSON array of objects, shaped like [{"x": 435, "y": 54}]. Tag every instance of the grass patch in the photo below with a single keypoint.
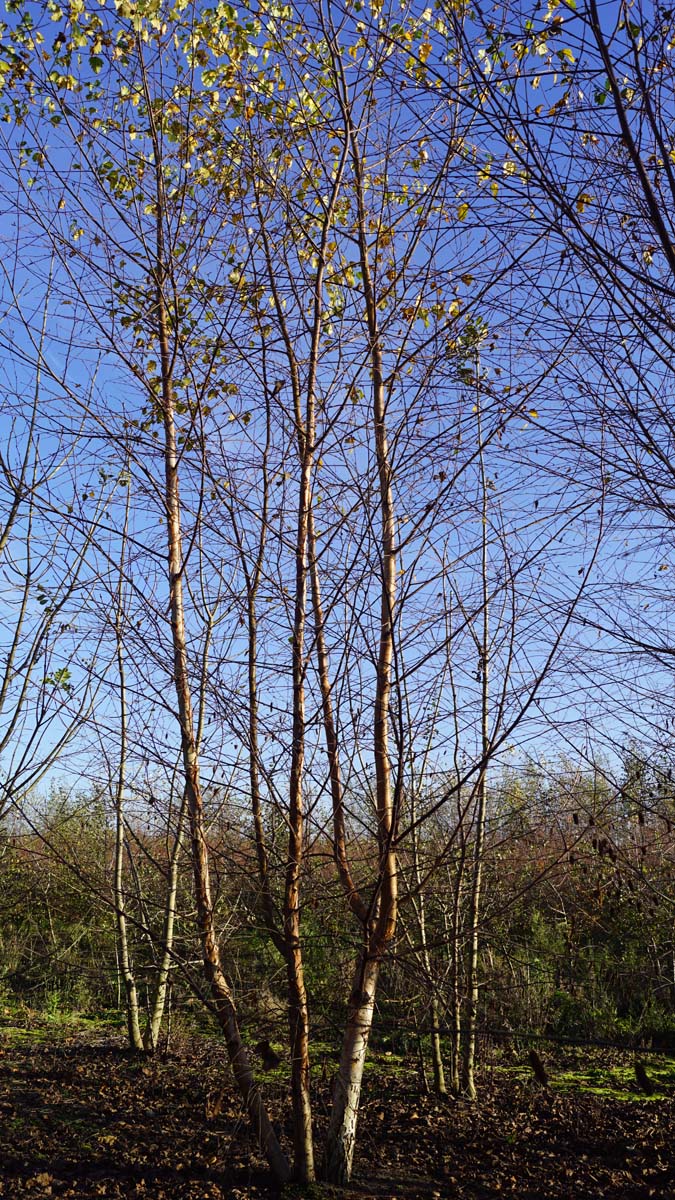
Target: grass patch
[
  {"x": 19, "y": 1027},
  {"x": 16, "y": 1035},
  {"x": 615, "y": 1080},
  {"x": 618, "y": 1082}
]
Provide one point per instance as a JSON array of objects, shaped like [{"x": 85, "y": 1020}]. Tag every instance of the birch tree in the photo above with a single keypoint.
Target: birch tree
[
  {"x": 125, "y": 222},
  {"x": 278, "y": 255},
  {"x": 380, "y": 259}
]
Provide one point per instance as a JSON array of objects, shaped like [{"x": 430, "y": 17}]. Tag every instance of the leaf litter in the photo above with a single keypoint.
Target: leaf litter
[{"x": 83, "y": 1119}]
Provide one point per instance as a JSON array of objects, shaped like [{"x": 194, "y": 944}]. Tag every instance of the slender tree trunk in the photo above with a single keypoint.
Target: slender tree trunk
[
  {"x": 297, "y": 995},
  {"x": 437, "y": 1050},
  {"x": 303, "y": 1138},
  {"x": 419, "y": 908},
  {"x": 163, "y": 976},
  {"x": 123, "y": 957},
  {"x": 220, "y": 991},
  {"x": 305, "y": 423},
  {"x": 455, "y": 994},
  {"x": 223, "y": 1002},
  {"x": 469, "y": 1048},
  {"x": 298, "y": 1009},
  {"x": 130, "y": 991},
  {"x": 156, "y": 1016},
  {"x": 332, "y": 749},
  {"x": 252, "y": 568},
  {"x": 269, "y": 914},
  {"x": 469, "y": 1056},
  {"x": 384, "y": 906}
]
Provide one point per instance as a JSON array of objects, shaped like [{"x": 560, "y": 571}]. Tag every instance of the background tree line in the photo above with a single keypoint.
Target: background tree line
[{"x": 576, "y": 927}]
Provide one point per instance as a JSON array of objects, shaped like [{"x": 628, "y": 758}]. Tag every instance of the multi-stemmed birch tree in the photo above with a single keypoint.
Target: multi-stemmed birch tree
[{"x": 265, "y": 229}]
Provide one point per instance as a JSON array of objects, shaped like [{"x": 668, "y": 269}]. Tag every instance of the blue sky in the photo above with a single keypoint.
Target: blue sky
[{"x": 499, "y": 263}]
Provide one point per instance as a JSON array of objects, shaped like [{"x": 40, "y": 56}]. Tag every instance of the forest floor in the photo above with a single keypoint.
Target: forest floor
[{"x": 81, "y": 1118}]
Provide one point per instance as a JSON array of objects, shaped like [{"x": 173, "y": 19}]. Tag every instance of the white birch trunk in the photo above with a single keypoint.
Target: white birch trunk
[
  {"x": 341, "y": 1138},
  {"x": 469, "y": 1059},
  {"x": 156, "y": 1016},
  {"x": 437, "y": 1051},
  {"x": 342, "y": 1130},
  {"x": 123, "y": 957}
]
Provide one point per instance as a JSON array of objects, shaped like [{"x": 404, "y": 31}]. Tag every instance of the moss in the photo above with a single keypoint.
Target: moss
[
  {"x": 616, "y": 1082},
  {"x": 28, "y": 1026}
]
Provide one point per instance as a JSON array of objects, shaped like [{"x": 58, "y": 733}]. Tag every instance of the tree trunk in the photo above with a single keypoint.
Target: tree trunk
[
  {"x": 303, "y": 1138},
  {"x": 469, "y": 1057},
  {"x": 298, "y": 1011},
  {"x": 436, "y": 1050},
  {"x": 156, "y": 1016},
  {"x": 223, "y": 1002},
  {"x": 384, "y": 904},
  {"x": 455, "y": 989},
  {"x": 341, "y": 1136},
  {"x": 130, "y": 992},
  {"x": 469, "y": 1049},
  {"x": 163, "y": 979},
  {"x": 124, "y": 960}
]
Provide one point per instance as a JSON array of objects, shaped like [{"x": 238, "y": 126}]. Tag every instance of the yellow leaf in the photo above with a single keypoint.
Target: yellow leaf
[{"x": 462, "y": 211}]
